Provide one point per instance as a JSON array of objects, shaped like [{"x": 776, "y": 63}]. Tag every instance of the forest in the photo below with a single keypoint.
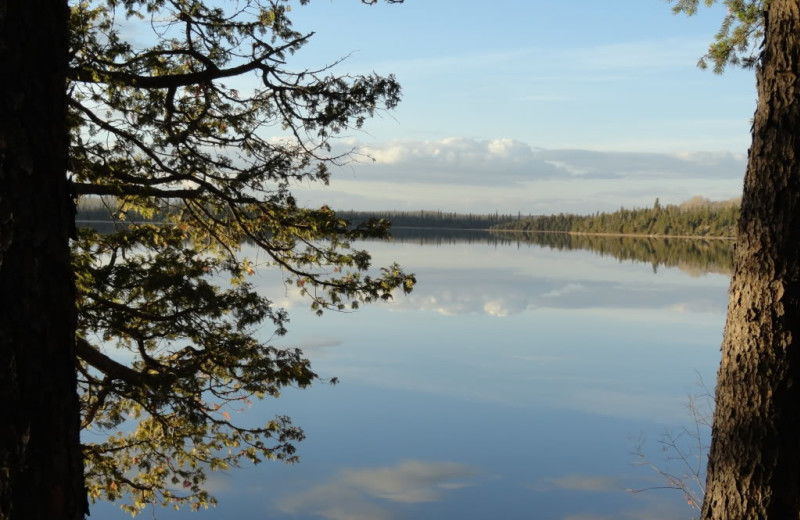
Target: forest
[{"x": 697, "y": 217}]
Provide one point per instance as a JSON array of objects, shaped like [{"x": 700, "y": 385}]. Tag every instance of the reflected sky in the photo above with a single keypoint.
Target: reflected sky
[{"x": 507, "y": 385}]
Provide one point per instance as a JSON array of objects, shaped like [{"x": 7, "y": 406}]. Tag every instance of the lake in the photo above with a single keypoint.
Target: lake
[{"x": 513, "y": 383}]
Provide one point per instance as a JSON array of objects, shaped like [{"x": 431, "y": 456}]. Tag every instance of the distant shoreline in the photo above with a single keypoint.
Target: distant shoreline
[
  {"x": 633, "y": 235},
  {"x": 488, "y": 230}
]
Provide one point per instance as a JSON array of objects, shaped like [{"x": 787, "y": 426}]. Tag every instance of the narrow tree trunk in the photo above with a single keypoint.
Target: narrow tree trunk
[
  {"x": 41, "y": 470},
  {"x": 754, "y": 463}
]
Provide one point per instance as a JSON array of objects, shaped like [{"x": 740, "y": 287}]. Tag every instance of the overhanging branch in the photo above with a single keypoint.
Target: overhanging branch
[
  {"x": 108, "y": 366},
  {"x": 87, "y": 75},
  {"x": 168, "y": 81}
]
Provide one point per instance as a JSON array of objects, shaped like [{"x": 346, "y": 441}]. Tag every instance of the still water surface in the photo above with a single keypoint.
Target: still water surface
[{"x": 508, "y": 385}]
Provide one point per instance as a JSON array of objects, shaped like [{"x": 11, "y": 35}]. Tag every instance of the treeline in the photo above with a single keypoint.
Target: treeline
[
  {"x": 696, "y": 217},
  {"x": 431, "y": 228},
  {"x": 432, "y": 219}
]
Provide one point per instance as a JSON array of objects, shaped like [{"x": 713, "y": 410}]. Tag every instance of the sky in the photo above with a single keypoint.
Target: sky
[{"x": 533, "y": 107}]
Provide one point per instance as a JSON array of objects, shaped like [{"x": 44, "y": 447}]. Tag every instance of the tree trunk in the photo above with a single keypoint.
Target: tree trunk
[
  {"x": 754, "y": 462},
  {"x": 41, "y": 468}
]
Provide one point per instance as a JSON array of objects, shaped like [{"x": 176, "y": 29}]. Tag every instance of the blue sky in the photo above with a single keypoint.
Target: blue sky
[{"x": 534, "y": 106}]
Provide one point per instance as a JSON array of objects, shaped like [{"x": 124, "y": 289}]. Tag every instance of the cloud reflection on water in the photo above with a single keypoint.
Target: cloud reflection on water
[
  {"x": 455, "y": 281},
  {"x": 517, "y": 364},
  {"x": 526, "y": 330},
  {"x": 356, "y": 494}
]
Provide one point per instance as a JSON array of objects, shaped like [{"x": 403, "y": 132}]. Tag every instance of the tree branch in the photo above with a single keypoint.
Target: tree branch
[
  {"x": 87, "y": 75},
  {"x": 108, "y": 366},
  {"x": 169, "y": 81}
]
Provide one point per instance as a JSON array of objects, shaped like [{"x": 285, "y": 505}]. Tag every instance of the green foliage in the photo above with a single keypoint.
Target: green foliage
[
  {"x": 167, "y": 342},
  {"x": 696, "y": 218},
  {"x": 740, "y": 35}
]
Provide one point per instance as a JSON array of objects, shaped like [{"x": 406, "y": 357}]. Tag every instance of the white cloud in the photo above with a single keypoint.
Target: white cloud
[
  {"x": 333, "y": 501},
  {"x": 411, "y": 481},
  {"x": 509, "y": 175},
  {"x": 366, "y": 493},
  {"x": 509, "y": 162},
  {"x": 683, "y": 165},
  {"x": 453, "y": 160},
  {"x": 567, "y": 289},
  {"x": 498, "y": 308},
  {"x": 518, "y": 292},
  {"x": 460, "y": 301}
]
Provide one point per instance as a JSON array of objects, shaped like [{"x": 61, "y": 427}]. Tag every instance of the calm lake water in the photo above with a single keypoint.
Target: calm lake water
[{"x": 511, "y": 384}]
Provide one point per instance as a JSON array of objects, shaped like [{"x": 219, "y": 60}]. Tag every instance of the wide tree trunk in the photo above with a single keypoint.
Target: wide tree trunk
[
  {"x": 754, "y": 463},
  {"x": 41, "y": 469}
]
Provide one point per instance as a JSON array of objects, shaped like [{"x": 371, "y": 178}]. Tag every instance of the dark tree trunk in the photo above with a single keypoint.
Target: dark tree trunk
[
  {"x": 41, "y": 469},
  {"x": 754, "y": 463}
]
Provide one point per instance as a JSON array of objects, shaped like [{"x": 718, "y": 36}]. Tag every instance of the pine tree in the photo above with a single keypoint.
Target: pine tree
[
  {"x": 41, "y": 467},
  {"x": 754, "y": 456},
  {"x": 161, "y": 128}
]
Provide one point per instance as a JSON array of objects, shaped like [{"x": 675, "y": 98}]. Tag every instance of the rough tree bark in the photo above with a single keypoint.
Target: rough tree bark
[
  {"x": 754, "y": 463},
  {"x": 41, "y": 469}
]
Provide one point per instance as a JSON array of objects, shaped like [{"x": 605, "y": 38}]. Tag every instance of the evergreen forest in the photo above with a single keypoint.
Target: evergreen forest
[{"x": 697, "y": 217}]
